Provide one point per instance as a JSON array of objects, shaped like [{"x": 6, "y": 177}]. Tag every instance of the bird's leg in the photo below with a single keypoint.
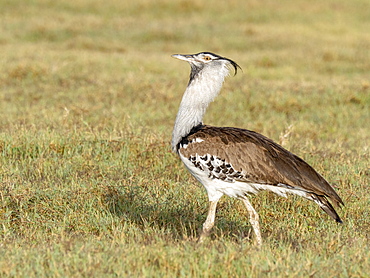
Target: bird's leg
[
  {"x": 210, "y": 221},
  {"x": 254, "y": 219}
]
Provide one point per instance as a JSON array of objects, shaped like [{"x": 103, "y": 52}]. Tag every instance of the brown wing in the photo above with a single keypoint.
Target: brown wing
[{"x": 260, "y": 159}]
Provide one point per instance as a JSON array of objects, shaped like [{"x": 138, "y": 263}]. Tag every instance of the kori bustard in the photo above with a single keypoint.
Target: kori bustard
[{"x": 233, "y": 161}]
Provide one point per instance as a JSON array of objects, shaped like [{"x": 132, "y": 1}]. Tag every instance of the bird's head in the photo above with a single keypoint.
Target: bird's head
[{"x": 206, "y": 61}]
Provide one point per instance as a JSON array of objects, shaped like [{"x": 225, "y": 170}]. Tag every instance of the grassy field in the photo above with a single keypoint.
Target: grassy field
[{"x": 88, "y": 97}]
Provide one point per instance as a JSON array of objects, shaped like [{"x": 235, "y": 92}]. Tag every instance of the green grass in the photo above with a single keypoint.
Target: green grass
[{"x": 89, "y": 93}]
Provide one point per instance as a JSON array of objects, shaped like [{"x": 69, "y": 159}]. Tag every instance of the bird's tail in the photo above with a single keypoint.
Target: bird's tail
[{"x": 327, "y": 207}]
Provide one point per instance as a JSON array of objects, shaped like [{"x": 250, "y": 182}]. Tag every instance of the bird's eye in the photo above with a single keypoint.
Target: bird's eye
[{"x": 207, "y": 58}]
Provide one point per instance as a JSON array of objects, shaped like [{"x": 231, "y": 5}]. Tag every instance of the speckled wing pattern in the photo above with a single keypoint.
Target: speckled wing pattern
[{"x": 232, "y": 154}]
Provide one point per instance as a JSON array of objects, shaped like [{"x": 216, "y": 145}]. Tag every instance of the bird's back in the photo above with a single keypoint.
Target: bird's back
[{"x": 249, "y": 157}]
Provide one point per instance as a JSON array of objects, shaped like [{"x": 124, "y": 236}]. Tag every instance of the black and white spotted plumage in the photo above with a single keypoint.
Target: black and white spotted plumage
[{"x": 216, "y": 168}]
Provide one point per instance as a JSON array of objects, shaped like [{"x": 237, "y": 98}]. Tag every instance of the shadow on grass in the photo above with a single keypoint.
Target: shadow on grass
[{"x": 172, "y": 214}]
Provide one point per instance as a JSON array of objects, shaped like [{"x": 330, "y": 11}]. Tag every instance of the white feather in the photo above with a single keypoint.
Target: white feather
[{"x": 201, "y": 91}]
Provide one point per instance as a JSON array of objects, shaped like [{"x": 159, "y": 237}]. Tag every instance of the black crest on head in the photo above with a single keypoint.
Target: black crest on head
[
  {"x": 218, "y": 57},
  {"x": 196, "y": 68}
]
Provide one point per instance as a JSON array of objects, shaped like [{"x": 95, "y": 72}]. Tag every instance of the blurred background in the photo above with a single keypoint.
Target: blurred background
[{"x": 101, "y": 59}]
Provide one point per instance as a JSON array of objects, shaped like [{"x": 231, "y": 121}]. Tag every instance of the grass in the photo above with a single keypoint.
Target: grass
[{"x": 89, "y": 93}]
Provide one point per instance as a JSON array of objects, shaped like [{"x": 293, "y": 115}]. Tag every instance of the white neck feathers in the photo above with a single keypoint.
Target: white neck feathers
[{"x": 201, "y": 91}]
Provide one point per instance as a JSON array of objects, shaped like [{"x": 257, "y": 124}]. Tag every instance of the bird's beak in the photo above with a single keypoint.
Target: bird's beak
[{"x": 187, "y": 58}]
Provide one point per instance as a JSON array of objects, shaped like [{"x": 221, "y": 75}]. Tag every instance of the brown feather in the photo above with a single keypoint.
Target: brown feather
[{"x": 260, "y": 159}]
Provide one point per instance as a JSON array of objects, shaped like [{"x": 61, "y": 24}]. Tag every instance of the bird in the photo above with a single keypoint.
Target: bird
[{"x": 237, "y": 162}]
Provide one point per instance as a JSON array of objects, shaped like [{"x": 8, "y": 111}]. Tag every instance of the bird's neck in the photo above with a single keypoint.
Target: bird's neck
[{"x": 202, "y": 90}]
